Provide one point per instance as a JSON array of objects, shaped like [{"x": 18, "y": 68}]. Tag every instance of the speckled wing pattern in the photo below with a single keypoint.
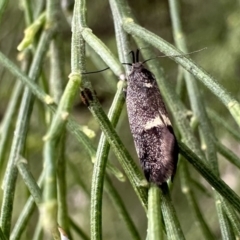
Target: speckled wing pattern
[{"x": 151, "y": 128}]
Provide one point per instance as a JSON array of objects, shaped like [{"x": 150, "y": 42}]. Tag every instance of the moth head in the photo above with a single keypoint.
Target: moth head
[{"x": 137, "y": 67}]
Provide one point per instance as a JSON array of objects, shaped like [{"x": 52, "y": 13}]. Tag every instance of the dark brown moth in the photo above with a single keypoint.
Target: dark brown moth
[{"x": 151, "y": 128}]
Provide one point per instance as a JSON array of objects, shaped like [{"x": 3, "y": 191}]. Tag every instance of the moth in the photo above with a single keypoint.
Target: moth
[{"x": 152, "y": 131}]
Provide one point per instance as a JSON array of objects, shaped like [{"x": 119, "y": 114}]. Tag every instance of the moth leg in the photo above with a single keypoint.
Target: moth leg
[{"x": 86, "y": 96}]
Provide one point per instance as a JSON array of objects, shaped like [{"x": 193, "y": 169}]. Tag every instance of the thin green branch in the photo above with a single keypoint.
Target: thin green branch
[
  {"x": 197, "y": 104},
  {"x": 101, "y": 49},
  {"x": 221, "y": 187},
  {"x": 228, "y": 154},
  {"x": 195, "y": 209},
  {"x": 3, "y": 5},
  {"x": 38, "y": 233},
  {"x": 28, "y": 13},
  {"x": 26, "y": 213},
  {"x": 2, "y": 236},
  {"x": 121, "y": 209},
  {"x": 49, "y": 206},
  {"x": 121, "y": 36},
  {"x": 217, "y": 118},
  {"x": 6, "y": 124},
  {"x": 29, "y": 180},
  {"x": 233, "y": 218},
  {"x": 31, "y": 31},
  {"x": 173, "y": 228},
  {"x": 62, "y": 188},
  {"x": 119, "y": 149},
  {"x": 122, "y": 154},
  {"x": 99, "y": 167},
  {"x": 78, "y": 230},
  {"x": 78, "y": 44},
  {"x": 20, "y": 135},
  {"x": 80, "y": 27},
  {"x": 155, "y": 228},
  {"x": 225, "y": 226},
  {"x": 76, "y": 129}
]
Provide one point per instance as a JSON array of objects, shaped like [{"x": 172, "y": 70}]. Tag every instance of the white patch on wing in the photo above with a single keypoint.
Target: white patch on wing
[
  {"x": 148, "y": 85},
  {"x": 153, "y": 123},
  {"x": 166, "y": 120}
]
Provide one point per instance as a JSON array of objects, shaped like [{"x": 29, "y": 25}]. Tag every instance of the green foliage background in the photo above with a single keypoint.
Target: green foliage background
[{"x": 211, "y": 24}]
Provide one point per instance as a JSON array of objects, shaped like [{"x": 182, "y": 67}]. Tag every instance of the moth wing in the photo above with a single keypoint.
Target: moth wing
[{"x": 158, "y": 152}]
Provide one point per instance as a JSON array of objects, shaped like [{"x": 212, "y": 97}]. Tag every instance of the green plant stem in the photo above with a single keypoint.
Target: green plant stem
[
  {"x": 234, "y": 219},
  {"x": 72, "y": 125},
  {"x": 123, "y": 48},
  {"x": 186, "y": 189},
  {"x": 197, "y": 103},
  {"x": 55, "y": 130},
  {"x": 99, "y": 167},
  {"x": 78, "y": 44},
  {"x": 3, "y": 5},
  {"x": 121, "y": 152},
  {"x": 31, "y": 31},
  {"x": 173, "y": 228},
  {"x": 6, "y": 124},
  {"x": 40, "y": 6},
  {"x": 228, "y": 154},
  {"x": 57, "y": 73},
  {"x": 26, "y": 213},
  {"x": 20, "y": 135},
  {"x": 225, "y": 226},
  {"x": 28, "y": 13},
  {"x": 2, "y": 236},
  {"x": 217, "y": 118},
  {"x": 121, "y": 36},
  {"x": 103, "y": 150},
  {"x": 101, "y": 49},
  {"x": 123, "y": 156},
  {"x": 62, "y": 188},
  {"x": 29, "y": 180},
  {"x": 38, "y": 233},
  {"x": 114, "y": 197},
  {"x": 49, "y": 206},
  {"x": 121, "y": 209},
  {"x": 52, "y": 137},
  {"x": 221, "y": 187},
  {"x": 78, "y": 230},
  {"x": 155, "y": 228}
]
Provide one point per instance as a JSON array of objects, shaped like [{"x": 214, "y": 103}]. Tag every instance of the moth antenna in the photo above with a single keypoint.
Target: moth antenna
[
  {"x": 137, "y": 55},
  {"x": 133, "y": 56},
  {"x": 179, "y": 55},
  {"x": 129, "y": 64},
  {"x": 96, "y": 71}
]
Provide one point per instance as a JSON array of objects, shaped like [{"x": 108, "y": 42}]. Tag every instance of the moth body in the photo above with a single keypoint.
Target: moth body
[{"x": 151, "y": 128}]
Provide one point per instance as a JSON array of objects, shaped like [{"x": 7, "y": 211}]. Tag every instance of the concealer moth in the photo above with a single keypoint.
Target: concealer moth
[{"x": 152, "y": 131}]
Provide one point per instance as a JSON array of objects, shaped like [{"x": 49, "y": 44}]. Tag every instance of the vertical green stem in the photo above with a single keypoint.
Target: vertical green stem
[
  {"x": 3, "y": 5},
  {"x": 155, "y": 228},
  {"x": 20, "y": 135},
  {"x": 173, "y": 228},
  {"x": 99, "y": 168},
  {"x": 197, "y": 104}
]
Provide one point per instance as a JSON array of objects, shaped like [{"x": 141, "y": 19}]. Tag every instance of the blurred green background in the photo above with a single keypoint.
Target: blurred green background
[{"x": 212, "y": 24}]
